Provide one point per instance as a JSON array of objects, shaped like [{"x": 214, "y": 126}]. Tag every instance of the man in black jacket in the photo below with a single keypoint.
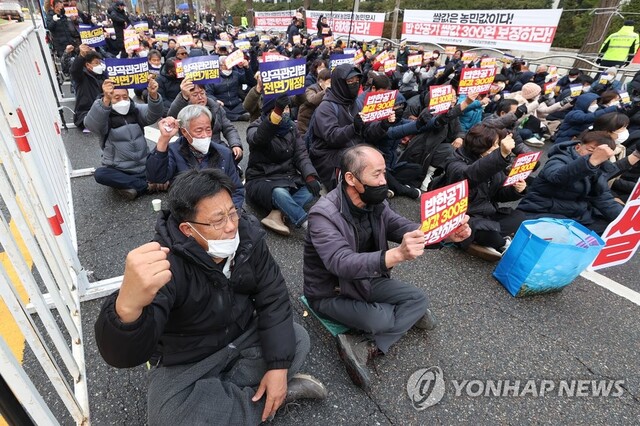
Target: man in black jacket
[
  {"x": 58, "y": 25},
  {"x": 120, "y": 20},
  {"x": 207, "y": 305}
]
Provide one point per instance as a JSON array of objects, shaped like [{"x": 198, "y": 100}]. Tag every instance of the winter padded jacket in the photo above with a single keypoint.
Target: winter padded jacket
[
  {"x": 200, "y": 311},
  {"x": 123, "y": 144}
]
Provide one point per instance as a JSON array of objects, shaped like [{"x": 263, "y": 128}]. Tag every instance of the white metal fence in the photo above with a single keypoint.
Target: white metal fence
[{"x": 36, "y": 197}]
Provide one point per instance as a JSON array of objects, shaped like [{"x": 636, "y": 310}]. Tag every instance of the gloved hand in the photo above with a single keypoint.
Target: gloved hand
[
  {"x": 566, "y": 100},
  {"x": 313, "y": 185},
  {"x": 441, "y": 120},
  {"x": 56, "y": 18},
  {"x": 521, "y": 110},
  {"x": 358, "y": 124},
  {"x": 281, "y": 103},
  {"x": 424, "y": 117}
]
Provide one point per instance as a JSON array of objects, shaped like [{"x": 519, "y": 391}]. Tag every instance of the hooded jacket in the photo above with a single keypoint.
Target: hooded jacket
[
  {"x": 524, "y": 78},
  {"x": 276, "y": 161},
  {"x": 569, "y": 186},
  {"x": 219, "y": 121},
  {"x": 123, "y": 144},
  {"x": 621, "y": 45},
  {"x": 200, "y": 311},
  {"x": 485, "y": 176},
  {"x": 165, "y": 166},
  {"x": 579, "y": 119},
  {"x": 334, "y": 131},
  {"x": 168, "y": 87},
  {"x": 331, "y": 256}
]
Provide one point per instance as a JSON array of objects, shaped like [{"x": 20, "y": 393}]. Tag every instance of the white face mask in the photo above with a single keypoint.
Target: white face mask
[
  {"x": 593, "y": 108},
  {"x": 121, "y": 107},
  {"x": 98, "y": 69},
  {"x": 586, "y": 89},
  {"x": 143, "y": 53},
  {"x": 572, "y": 79},
  {"x": 622, "y": 136},
  {"x": 226, "y": 72},
  {"x": 221, "y": 249},
  {"x": 200, "y": 144},
  {"x": 615, "y": 103}
]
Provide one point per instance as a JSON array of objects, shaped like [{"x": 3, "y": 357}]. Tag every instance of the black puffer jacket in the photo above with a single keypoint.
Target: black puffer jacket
[
  {"x": 169, "y": 88},
  {"x": 276, "y": 161},
  {"x": 333, "y": 130},
  {"x": 201, "y": 311},
  {"x": 485, "y": 176},
  {"x": 60, "y": 31},
  {"x": 88, "y": 88}
]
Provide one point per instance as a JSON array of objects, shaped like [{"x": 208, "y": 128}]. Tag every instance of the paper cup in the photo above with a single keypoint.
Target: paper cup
[{"x": 157, "y": 204}]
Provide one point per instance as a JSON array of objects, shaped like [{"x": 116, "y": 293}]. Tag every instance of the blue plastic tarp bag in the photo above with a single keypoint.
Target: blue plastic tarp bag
[{"x": 546, "y": 255}]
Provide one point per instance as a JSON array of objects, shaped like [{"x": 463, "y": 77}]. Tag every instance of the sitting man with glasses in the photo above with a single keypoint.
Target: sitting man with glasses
[
  {"x": 207, "y": 306},
  {"x": 194, "y": 149},
  {"x": 195, "y": 94}
]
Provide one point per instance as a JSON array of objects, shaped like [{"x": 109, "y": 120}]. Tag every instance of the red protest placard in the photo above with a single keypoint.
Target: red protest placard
[
  {"x": 440, "y": 98},
  {"x": 358, "y": 58},
  {"x": 234, "y": 59},
  {"x": 273, "y": 57},
  {"x": 476, "y": 80},
  {"x": 378, "y": 105},
  {"x": 390, "y": 65},
  {"x": 522, "y": 167},
  {"x": 622, "y": 236},
  {"x": 443, "y": 210},
  {"x": 548, "y": 87},
  {"x": 414, "y": 60},
  {"x": 328, "y": 41}
]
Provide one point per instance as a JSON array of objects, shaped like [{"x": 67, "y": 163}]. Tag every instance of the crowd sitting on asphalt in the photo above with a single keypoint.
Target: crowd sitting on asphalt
[{"x": 314, "y": 164}]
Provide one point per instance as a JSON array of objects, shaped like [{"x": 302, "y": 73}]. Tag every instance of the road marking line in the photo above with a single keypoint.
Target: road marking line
[
  {"x": 8, "y": 328},
  {"x": 612, "y": 286}
]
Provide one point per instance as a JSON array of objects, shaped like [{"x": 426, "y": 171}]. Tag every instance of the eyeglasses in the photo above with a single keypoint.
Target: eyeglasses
[
  {"x": 198, "y": 94},
  {"x": 219, "y": 224}
]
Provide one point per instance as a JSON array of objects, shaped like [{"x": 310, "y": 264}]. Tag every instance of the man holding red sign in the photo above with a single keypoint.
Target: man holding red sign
[{"x": 347, "y": 263}]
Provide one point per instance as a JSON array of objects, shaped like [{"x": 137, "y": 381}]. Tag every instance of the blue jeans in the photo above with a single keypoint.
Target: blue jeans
[{"x": 291, "y": 201}]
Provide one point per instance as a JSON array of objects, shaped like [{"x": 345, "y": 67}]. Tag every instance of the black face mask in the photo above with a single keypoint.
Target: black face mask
[
  {"x": 353, "y": 89},
  {"x": 374, "y": 194}
]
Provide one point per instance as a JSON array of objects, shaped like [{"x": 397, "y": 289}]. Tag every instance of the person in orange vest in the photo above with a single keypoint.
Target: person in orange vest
[{"x": 620, "y": 47}]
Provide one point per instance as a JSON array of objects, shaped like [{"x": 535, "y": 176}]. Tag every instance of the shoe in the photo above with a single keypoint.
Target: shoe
[
  {"x": 390, "y": 194},
  {"x": 356, "y": 351},
  {"x": 507, "y": 243},
  {"x": 427, "y": 322},
  {"x": 127, "y": 194},
  {"x": 483, "y": 252},
  {"x": 244, "y": 117},
  {"x": 274, "y": 222},
  {"x": 86, "y": 131},
  {"x": 413, "y": 192},
  {"x": 304, "y": 225},
  {"x": 304, "y": 386},
  {"x": 157, "y": 187},
  {"x": 534, "y": 142}
]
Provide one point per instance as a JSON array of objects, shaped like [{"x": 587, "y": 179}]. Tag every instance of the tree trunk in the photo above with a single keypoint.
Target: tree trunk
[
  {"x": 191, "y": 11},
  {"x": 597, "y": 31},
  {"x": 250, "y": 13},
  {"x": 219, "y": 14}
]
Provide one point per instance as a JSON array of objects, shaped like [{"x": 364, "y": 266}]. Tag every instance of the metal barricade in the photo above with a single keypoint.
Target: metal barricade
[{"x": 37, "y": 210}]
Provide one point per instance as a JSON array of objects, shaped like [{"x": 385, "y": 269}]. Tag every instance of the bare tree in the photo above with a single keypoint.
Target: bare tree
[
  {"x": 219, "y": 14},
  {"x": 597, "y": 33},
  {"x": 191, "y": 11}
]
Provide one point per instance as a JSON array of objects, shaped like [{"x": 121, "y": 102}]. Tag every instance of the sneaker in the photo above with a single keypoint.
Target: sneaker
[
  {"x": 356, "y": 351},
  {"x": 534, "y": 142},
  {"x": 390, "y": 194},
  {"x": 413, "y": 192},
  {"x": 244, "y": 117},
  {"x": 484, "y": 252},
  {"x": 86, "y": 131},
  {"x": 127, "y": 194},
  {"x": 427, "y": 322},
  {"x": 305, "y": 386},
  {"x": 304, "y": 225}
]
